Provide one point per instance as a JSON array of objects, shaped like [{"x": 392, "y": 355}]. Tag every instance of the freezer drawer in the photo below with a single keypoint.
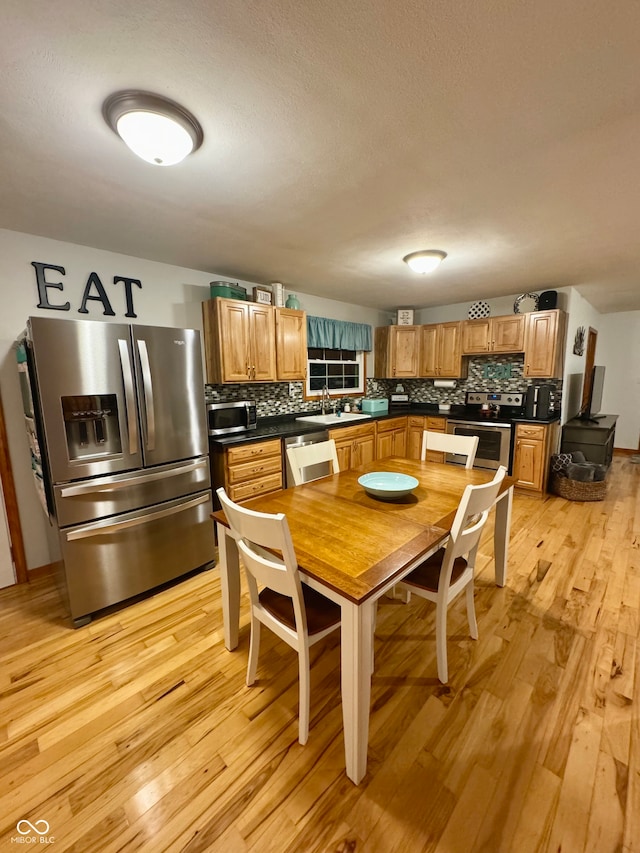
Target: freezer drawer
[
  {"x": 108, "y": 561},
  {"x": 104, "y": 496}
]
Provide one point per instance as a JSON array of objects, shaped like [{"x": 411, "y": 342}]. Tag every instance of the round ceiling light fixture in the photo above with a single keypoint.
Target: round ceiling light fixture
[
  {"x": 425, "y": 261},
  {"x": 156, "y": 129}
]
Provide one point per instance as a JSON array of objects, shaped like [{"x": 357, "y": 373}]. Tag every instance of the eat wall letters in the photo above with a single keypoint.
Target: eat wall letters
[{"x": 94, "y": 291}]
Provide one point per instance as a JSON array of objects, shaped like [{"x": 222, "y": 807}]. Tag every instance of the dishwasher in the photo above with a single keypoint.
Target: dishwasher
[{"x": 312, "y": 472}]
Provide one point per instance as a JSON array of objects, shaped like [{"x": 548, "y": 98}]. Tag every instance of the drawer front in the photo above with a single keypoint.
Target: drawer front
[
  {"x": 416, "y": 422},
  {"x": 531, "y": 431},
  {"x": 437, "y": 424},
  {"x": 251, "y": 470},
  {"x": 349, "y": 433},
  {"x": 260, "y": 486},
  {"x": 247, "y": 452},
  {"x": 391, "y": 424}
]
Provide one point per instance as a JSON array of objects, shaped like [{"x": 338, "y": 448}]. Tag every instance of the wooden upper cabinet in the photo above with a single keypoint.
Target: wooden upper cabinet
[
  {"x": 441, "y": 350},
  {"x": 495, "y": 334},
  {"x": 240, "y": 341},
  {"x": 397, "y": 352},
  {"x": 544, "y": 344},
  {"x": 429, "y": 351},
  {"x": 291, "y": 344},
  {"x": 262, "y": 342},
  {"x": 507, "y": 333}
]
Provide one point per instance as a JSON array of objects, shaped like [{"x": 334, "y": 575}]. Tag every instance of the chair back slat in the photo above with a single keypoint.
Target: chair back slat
[
  {"x": 267, "y": 569},
  {"x": 471, "y": 516},
  {"x": 304, "y": 456},
  {"x": 444, "y": 442},
  {"x": 259, "y": 534}
]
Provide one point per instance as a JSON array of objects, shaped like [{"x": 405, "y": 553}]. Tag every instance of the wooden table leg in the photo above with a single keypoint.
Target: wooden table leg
[
  {"x": 356, "y": 651},
  {"x": 501, "y": 535},
  {"x": 230, "y": 585}
]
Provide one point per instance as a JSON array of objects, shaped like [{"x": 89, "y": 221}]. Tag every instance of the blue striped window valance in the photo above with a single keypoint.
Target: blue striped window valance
[{"x": 338, "y": 334}]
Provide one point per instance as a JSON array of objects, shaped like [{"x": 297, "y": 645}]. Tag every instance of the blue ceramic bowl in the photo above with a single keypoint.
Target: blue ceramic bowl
[{"x": 387, "y": 485}]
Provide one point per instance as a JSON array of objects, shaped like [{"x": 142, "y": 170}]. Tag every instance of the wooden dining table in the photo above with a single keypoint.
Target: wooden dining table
[{"x": 354, "y": 548}]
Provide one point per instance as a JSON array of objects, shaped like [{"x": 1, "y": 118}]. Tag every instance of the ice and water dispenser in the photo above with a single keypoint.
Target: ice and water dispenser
[{"x": 91, "y": 426}]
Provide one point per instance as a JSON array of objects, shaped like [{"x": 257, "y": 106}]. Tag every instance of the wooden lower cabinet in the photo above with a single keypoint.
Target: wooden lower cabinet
[
  {"x": 392, "y": 438},
  {"x": 415, "y": 428},
  {"x": 355, "y": 445},
  {"x": 249, "y": 470},
  {"x": 534, "y": 444}
]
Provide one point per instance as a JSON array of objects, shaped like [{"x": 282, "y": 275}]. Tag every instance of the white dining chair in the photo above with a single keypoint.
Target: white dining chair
[
  {"x": 303, "y": 456},
  {"x": 463, "y": 445},
  {"x": 292, "y": 610},
  {"x": 446, "y": 574}
]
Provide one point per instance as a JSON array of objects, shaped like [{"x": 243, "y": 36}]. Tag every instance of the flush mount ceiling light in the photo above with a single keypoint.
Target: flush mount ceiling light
[
  {"x": 155, "y": 128},
  {"x": 425, "y": 261}
]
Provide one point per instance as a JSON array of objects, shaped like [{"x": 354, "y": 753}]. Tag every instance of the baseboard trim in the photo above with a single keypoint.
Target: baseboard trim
[{"x": 43, "y": 571}]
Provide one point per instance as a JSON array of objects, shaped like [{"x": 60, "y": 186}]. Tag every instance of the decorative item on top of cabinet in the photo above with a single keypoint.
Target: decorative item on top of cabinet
[
  {"x": 396, "y": 352},
  {"x": 355, "y": 446},
  {"x": 525, "y": 303},
  {"x": 478, "y": 310},
  {"x": 262, "y": 295},
  {"x": 291, "y": 344},
  {"x": 240, "y": 341},
  {"x": 544, "y": 344},
  {"x": 405, "y": 317},
  {"x": 495, "y": 334},
  {"x": 534, "y": 444},
  {"x": 392, "y": 438},
  {"x": 441, "y": 351},
  {"x": 292, "y": 302}
]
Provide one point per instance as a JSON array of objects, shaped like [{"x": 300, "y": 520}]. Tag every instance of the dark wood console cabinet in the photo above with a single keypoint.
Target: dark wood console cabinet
[{"x": 594, "y": 439}]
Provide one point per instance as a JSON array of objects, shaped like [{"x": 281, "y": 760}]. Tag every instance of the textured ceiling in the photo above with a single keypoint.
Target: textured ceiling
[{"x": 339, "y": 136}]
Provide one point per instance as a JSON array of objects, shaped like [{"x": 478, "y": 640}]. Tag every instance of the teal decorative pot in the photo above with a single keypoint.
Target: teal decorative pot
[{"x": 292, "y": 301}]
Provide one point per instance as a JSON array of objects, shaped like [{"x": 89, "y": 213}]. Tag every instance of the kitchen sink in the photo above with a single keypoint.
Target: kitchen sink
[{"x": 333, "y": 418}]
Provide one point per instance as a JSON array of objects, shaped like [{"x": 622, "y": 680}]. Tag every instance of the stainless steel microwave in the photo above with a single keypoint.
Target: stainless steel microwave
[{"x": 232, "y": 416}]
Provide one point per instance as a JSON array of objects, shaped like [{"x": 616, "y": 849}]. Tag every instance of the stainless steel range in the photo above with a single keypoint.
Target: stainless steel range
[{"x": 489, "y": 415}]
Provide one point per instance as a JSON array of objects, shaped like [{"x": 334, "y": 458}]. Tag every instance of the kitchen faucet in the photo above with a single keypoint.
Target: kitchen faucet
[{"x": 326, "y": 400}]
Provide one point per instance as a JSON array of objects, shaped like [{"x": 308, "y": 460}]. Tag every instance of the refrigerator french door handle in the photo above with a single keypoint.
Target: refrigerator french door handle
[
  {"x": 105, "y": 527},
  {"x": 148, "y": 395},
  {"x": 129, "y": 395},
  {"x": 114, "y": 485}
]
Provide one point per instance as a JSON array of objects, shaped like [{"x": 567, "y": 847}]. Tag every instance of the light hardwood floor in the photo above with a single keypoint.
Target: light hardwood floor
[{"x": 138, "y": 733}]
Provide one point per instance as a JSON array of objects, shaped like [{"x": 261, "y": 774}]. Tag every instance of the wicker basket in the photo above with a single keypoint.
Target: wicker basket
[{"x": 574, "y": 490}]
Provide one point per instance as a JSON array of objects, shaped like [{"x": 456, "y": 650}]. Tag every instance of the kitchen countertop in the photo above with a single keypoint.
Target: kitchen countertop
[{"x": 283, "y": 426}]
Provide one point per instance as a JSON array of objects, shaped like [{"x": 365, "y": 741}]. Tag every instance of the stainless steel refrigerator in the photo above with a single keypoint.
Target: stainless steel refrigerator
[{"x": 116, "y": 415}]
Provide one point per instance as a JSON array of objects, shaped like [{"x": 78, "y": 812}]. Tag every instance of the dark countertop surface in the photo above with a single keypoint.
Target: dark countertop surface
[{"x": 284, "y": 426}]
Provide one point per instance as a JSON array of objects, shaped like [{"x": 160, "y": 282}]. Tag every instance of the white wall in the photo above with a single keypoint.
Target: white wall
[
  {"x": 581, "y": 313},
  {"x": 619, "y": 350},
  {"x": 170, "y": 296}
]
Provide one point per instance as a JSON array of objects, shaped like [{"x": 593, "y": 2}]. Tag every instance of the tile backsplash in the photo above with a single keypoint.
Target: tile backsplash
[
  {"x": 272, "y": 398},
  {"x": 486, "y": 373}
]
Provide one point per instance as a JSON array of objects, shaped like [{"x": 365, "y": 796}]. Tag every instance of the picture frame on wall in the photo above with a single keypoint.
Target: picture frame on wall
[
  {"x": 405, "y": 317},
  {"x": 263, "y": 295}
]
